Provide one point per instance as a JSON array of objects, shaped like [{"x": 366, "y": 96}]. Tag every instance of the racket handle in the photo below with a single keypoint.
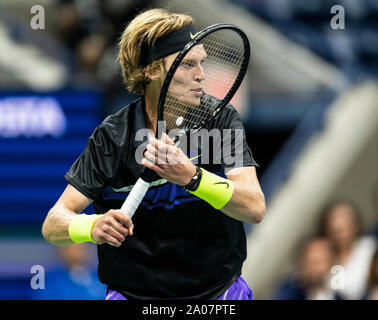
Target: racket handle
[{"x": 135, "y": 197}]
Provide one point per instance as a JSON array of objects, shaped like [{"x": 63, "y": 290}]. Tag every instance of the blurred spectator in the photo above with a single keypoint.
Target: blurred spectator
[
  {"x": 311, "y": 280},
  {"x": 372, "y": 281},
  {"x": 69, "y": 28},
  {"x": 89, "y": 55},
  {"x": 75, "y": 279},
  {"x": 341, "y": 224}
]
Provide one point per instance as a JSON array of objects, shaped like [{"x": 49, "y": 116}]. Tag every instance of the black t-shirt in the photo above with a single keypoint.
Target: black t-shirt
[{"x": 182, "y": 248}]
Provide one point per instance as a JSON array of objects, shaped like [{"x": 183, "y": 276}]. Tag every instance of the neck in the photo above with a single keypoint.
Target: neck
[
  {"x": 151, "y": 100},
  {"x": 151, "y": 115}
]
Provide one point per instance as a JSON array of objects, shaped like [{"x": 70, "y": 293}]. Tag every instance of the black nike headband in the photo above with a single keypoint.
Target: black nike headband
[{"x": 166, "y": 45}]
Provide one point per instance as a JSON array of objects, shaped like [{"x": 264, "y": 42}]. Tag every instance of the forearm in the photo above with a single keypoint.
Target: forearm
[
  {"x": 245, "y": 205},
  {"x": 239, "y": 196},
  {"x": 55, "y": 227}
]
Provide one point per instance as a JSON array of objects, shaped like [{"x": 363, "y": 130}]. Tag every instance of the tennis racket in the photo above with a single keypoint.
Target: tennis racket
[{"x": 199, "y": 84}]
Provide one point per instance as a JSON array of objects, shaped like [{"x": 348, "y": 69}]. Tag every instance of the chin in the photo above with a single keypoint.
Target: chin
[{"x": 192, "y": 102}]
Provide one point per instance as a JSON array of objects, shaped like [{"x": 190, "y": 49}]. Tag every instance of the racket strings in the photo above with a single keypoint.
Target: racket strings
[
  {"x": 192, "y": 118},
  {"x": 175, "y": 109}
]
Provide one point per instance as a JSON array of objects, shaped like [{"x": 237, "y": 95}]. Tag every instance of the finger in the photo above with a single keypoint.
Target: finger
[
  {"x": 112, "y": 232},
  {"x": 161, "y": 147},
  {"x": 151, "y": 157},
  {"x": 160, "y": 159},
  {"x": 170, "y": 141},
  {"x": 105, "y": 236},
  {"x": 155, "y": 157},
  {"x": 151, "y": 149},
  {"x": 154, "y": 142},
  {"x": 122, "y": 218},
  {"x": 110, "y": 240},
  {"x": 166, "y": 139},
  {"x": 164, "y": 156},
  {"x": 120, "y": 227},
  {"x": 148, "y": 164}
]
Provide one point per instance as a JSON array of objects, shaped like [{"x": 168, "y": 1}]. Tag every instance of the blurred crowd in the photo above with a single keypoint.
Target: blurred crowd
[
  {"x": 90, "y": 30},
  {"x": 353, "y": 49},
  {"x": 340, "y": 262}
]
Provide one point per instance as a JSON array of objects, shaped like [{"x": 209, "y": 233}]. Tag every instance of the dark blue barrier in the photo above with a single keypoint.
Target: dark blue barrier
[{"x": 41, "y": 135}]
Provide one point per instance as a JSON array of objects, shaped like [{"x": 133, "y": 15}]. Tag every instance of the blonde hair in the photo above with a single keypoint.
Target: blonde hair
[{"x": 146, "y": 28}]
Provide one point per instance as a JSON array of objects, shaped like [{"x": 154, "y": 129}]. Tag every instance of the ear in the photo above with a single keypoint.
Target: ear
[{"x": 153, "y": 75}]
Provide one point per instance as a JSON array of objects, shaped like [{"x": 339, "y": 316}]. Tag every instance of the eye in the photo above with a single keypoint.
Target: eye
[{"x": 188, "y": 63}]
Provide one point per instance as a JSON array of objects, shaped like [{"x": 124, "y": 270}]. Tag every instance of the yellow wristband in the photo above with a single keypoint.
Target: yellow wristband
[
  {"x": 81, "y": 227},
  {"x": 214, "y": 189}
]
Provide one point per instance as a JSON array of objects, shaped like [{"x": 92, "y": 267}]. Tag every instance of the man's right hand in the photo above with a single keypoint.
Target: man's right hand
[{"x": 112, "y": 228}]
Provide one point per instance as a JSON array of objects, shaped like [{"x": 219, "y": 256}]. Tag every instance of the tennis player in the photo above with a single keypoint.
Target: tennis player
[{"x": 186, "y": 240}]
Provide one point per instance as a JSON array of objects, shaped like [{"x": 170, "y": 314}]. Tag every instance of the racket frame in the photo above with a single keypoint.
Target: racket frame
[{"x": 176, "y": 63}]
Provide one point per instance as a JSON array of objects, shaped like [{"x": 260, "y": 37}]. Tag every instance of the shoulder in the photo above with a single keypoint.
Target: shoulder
[
  {"x": 118, "y": 120},
  {"x": 227, "y": 118},
  {"x": 115, "y": 127},
  {"x": 213, "y": 102}
]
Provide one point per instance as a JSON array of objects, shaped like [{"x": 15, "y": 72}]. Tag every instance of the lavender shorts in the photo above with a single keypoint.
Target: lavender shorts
[{"x": 239, "y": 290}]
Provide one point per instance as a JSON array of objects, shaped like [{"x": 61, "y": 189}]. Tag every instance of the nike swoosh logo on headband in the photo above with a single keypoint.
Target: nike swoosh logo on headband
[
  {"x": 226, "y": 183},
  {"x": 193, "y": 35}
]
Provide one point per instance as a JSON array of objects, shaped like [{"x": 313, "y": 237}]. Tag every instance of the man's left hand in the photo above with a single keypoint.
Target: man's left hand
[{"x": 168, "y": 161}]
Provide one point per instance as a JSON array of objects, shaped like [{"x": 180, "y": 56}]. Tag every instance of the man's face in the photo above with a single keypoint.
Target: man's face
[{"x": 187, "y": 83}]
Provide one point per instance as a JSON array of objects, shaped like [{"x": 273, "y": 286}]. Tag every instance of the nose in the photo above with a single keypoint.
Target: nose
[{"x": 200, "y": 74}]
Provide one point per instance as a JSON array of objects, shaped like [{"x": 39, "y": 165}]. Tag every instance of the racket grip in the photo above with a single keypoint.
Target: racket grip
[{"x": 135, "y": 197}]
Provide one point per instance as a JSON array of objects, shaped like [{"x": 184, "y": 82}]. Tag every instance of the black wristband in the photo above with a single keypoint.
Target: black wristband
[{"x": 194, "y": 183}]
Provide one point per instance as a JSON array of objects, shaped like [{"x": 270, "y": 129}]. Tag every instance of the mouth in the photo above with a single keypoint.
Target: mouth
[{"x": 197, "y": 92}]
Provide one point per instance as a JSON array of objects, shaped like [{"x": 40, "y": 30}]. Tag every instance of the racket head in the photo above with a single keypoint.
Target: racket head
[{"x": 203, "y": 78}]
